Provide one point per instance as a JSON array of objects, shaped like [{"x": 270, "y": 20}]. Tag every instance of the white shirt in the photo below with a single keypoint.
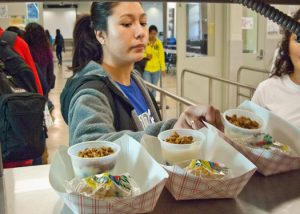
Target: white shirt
[{"x": 281, "y": 96}]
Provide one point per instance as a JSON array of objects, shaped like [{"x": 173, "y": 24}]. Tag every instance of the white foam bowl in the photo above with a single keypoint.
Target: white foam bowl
[
  {"x": 174, "y": 153},
  {"x": 84, "y": 167},
  {"x": 235, "y": 131}
]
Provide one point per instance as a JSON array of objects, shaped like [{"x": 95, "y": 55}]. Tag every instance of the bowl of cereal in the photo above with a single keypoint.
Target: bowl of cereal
[
  {"x": 93, "y": 157},
  {"x": 180, "y": 144},
  {"x": 239, "y": 122}
]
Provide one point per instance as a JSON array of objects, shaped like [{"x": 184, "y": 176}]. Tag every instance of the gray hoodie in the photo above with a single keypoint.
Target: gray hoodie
[{"x": 90, "y": 116}]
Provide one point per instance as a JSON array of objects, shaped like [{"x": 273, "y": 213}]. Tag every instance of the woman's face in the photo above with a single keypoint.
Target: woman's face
[
  {"x": 152, "y": 35},
  {"x": 126, "y": 35},
  {"x": 294, "y": 51}
]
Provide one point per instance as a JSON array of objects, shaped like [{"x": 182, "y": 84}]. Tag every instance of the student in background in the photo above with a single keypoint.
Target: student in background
[
  {"x": 281, "y": 92},
  {"x": 22, "y": 49},
  {"x": 155, "y": 66},
  {"x": 60, "y": 46},
  {"x": 49, "y": 37},
  {"x": 40, "y": 49}
]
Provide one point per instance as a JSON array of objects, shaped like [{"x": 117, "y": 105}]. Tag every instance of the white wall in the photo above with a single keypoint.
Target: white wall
[
  {"x": 154, "y": 11},
  {"x": 83, "y": 8},
  {"x": 18, "y": 9},
  {"x": 63, "y": 19}
]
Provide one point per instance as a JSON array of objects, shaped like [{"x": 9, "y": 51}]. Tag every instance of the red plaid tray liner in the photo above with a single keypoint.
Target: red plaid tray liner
[
  {"x": 140, "y": 204},
  {"x": 186, "y": 186},
  {"x": 268, "y": 162}
]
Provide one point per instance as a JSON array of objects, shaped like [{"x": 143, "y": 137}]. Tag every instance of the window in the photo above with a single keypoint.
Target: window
[
  {"x": 200, "y": 29},
  {"x": 249, "y": 28}
]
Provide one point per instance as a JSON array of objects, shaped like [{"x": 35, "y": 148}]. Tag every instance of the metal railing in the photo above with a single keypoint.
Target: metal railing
[
  {"x": 245, "y": 68},
  {"x": 164, "y": 93},
  {"x": 210, "y": 79}
]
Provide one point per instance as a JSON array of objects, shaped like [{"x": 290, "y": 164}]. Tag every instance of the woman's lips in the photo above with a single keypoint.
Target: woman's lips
[{"x": 140, "y": 46}]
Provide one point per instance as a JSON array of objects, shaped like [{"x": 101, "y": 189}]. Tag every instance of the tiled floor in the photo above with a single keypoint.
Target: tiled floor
[{"x": 58, "y": 133}]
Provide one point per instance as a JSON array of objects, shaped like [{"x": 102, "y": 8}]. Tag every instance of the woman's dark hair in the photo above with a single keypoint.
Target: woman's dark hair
[
  {"x": 152, "y": 28},
  {"x": 86, "y": 45},
  {"x": 283, "y": 63},
  {"x": 37, "y": 41},
  {"x": 57, "y": 31}
]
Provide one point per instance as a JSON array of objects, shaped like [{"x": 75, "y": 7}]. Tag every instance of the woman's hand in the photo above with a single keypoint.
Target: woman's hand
[{"x": 193, "y": 116}]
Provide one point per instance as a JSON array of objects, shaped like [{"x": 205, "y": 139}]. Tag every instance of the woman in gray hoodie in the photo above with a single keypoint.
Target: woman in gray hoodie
[{"x": 105, "y": 98}]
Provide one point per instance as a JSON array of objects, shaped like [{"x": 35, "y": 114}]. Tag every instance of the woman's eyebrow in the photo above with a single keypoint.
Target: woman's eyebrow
[{"x": 132, "y": 16}]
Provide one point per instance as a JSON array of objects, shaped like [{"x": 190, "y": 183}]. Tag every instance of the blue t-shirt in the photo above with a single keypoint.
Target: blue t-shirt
[{"x": 138, "y": 102}]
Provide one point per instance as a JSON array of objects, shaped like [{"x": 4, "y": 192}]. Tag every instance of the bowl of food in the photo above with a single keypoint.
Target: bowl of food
[
  {"x": 180, "y": 144},
  {"x": 239, "y": 122},
  {"x": 93, "y": 157}
]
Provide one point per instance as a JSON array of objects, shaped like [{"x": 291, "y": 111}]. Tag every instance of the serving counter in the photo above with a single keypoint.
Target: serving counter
[{"x": 27, "y": 191}]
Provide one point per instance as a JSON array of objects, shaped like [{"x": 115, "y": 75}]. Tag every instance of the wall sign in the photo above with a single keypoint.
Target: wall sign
[{"x": 3, "y": 11}]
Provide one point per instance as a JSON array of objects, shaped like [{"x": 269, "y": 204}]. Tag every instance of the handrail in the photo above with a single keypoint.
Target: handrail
[
  {"x": 211, "y": 78},
  {"x": 164, "y": 93},
  {"x": 175, "y": 97},
  {"x": 244, "y": 68},
  {"x": 250, "y": 69}
]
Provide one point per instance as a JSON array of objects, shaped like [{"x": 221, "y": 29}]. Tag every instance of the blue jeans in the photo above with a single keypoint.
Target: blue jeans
[{"x": 153, "y": 78}]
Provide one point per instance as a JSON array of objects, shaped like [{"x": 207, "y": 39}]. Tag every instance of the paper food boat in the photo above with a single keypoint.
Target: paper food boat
[
  {"x": 133, "y": 158},
  {"x": 271, "y": 162},
  {"x": 184, "y": 186}
]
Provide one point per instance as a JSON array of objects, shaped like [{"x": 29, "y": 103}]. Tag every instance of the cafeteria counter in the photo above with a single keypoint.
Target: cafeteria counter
[{"x": 27, "y": 190}]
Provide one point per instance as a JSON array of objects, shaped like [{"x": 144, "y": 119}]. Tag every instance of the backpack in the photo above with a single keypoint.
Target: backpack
[
  {"x": 22, "y": 128},
  {"x": 14, "y": 65}
]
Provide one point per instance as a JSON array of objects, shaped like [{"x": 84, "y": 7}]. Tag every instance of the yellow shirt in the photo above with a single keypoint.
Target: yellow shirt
[{"x": 157, "y": 62}]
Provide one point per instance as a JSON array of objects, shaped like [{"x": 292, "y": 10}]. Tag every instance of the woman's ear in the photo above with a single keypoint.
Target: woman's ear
[{"x": 100, "y": 37}]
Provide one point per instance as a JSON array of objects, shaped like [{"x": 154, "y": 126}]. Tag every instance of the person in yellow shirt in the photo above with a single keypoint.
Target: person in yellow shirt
[{"x": 156, "y": 59}]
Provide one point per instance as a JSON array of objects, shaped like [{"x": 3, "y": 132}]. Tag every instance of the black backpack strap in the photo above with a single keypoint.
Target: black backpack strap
[
  {"x": 4, "y": 84},
  {"x": 9, "y": 37},
  {"x": 73, "y": 86}
]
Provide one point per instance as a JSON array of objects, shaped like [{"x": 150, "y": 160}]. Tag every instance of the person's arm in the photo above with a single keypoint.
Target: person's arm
[
  {"x": 90, "y": 118},
  {"x": 22, "y": 49},
  {"x": 162, "y": 57}
]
